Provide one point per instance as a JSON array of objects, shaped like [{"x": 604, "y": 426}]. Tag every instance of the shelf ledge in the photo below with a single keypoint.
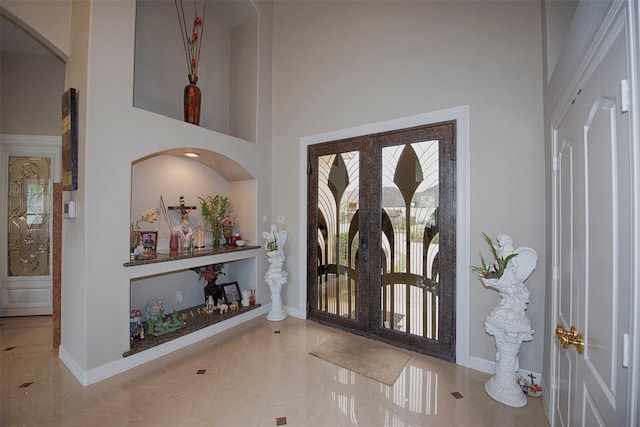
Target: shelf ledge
[{"x": 165, "y": 256}]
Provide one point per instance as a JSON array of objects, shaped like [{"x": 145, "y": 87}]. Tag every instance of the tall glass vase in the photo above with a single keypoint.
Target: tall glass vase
[{"x": 192, "y": 101}]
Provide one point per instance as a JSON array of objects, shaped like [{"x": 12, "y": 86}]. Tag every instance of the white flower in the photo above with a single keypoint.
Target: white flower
[{"x": 150, "y": 216}]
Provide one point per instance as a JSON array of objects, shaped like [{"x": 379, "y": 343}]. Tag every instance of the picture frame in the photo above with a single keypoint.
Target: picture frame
[
  {"x": 232, "y": 292},
  {"x": 70, "y": 140},
  {"x": 149, "y": 239}
]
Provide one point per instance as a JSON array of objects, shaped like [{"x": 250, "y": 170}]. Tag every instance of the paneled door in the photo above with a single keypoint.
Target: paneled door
[
  {"x": 593, "y": 245},
  {"x": 29, "y": 167},
  {"x": 381, "y": 237}
]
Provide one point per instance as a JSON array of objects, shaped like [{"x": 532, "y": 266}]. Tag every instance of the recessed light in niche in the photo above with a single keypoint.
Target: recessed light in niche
[{"x": 191, "y": 154}]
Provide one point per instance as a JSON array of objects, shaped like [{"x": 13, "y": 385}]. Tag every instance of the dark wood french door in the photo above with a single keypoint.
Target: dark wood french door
[{"x": 382, "y": 238}]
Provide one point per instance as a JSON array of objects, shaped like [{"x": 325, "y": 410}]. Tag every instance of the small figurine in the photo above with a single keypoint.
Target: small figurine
[
  {"x": 135, "y": 324},
  {"x": 531, "y": 389},
  {"x": 246, "y": 298},
  {"x": 252, "y": 297},
  {"x": 210, "y": 305},
  {"x": 222, "y": 307},
  {"x": 153, "y": 309},
  {"x": 234, "y": 306}
]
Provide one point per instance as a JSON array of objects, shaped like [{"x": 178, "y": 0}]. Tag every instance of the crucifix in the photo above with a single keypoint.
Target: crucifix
[
  {"x": 532, "y": 378},
  {"x": 184, "y": 210}
]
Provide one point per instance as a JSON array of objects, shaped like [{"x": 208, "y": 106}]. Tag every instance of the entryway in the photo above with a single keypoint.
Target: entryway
[{"x": 382, "y": 236}]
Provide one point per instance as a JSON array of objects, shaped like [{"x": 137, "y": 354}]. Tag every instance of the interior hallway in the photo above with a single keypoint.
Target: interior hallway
[{"x": 258, "y": 374}]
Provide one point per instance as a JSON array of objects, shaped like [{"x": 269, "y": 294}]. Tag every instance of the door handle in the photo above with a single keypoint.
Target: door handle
[{"x": 570, "y": 337}]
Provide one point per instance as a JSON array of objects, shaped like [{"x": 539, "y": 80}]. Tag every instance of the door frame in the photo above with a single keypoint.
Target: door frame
[
  {"x": 461, "y": 115},
  {"x": 29, "y": 145}
]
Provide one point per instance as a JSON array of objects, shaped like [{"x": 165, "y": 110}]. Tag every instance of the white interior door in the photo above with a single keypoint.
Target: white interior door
[
  {"x": 29, "y": 169},
  {"x": 593, "y": 243}
]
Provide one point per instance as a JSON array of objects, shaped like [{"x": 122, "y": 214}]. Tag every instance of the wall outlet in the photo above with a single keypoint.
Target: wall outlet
[
  {"x": 264, "y": 219},
  {"x": 280, "y": 219},
  {"x": 179, "y": 297}
]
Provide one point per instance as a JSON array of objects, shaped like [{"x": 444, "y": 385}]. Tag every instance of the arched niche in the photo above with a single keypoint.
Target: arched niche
[
  {"x": 228, "y": 69},
  {"x": 172, "y": 174}
]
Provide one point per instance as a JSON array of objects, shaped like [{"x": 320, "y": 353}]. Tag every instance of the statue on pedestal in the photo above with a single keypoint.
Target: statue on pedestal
[
  {"x": 508, "y": 322},
  {"x": 275, "y": 276}
]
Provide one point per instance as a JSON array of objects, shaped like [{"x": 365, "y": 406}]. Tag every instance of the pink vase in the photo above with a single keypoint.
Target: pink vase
[{"x": 174, "y": 242}]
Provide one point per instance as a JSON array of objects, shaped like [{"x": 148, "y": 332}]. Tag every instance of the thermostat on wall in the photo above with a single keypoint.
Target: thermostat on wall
[{"x": 70, "y": 209}]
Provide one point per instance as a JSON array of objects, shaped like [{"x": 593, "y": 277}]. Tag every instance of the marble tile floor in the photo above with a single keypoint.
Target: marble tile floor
[{"x": 258, "y": 374}]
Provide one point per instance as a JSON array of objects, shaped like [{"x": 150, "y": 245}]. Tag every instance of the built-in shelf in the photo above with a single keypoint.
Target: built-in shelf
[
  {"x": 197, "y": 319},
  {"x": 165, "y": 255}
]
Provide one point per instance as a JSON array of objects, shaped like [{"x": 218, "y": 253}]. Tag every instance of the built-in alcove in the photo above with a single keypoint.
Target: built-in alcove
[
  {"x": 170, "y": 276},
  {"x": 228, "y": 69},
  {"x": 172, "y": 175}
]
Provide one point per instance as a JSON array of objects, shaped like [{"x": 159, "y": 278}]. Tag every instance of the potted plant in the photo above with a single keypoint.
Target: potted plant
[{"x": 215, "y": 209}]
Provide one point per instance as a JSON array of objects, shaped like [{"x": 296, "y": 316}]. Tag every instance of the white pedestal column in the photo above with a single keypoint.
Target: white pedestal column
[
  {"x": 503, "y": 386},
  {"x": 275, "y": 282}
]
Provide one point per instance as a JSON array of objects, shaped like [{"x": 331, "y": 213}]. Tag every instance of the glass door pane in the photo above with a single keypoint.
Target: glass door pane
[
  {"x": 28, "y": 216},
  {"x": 338, "y": 208},
  {"x": 409, "y": 246}
]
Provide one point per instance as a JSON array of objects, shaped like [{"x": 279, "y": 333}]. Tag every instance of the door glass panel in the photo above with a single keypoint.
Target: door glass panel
[
  {"x": 28, "y": 216},
  {"x": 409, "y": 252},
  {"x": 338, "y": 205}
]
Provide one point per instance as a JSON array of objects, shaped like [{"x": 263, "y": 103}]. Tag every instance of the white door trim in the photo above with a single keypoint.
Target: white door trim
[{"x": 461, "y": 115}]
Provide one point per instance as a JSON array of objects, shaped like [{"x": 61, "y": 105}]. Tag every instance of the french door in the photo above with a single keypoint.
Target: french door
[{"x": 381, "y": 236}]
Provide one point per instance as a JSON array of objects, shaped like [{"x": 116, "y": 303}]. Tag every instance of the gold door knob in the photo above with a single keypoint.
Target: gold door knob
[{"x": 570, "y": 337}]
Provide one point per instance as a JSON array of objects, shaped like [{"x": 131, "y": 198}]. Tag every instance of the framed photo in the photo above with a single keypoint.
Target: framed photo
[
  {"x": 149, "y": 239},
  {"x": 232, "y": 292},
  {"x": 70, "y": 140}
]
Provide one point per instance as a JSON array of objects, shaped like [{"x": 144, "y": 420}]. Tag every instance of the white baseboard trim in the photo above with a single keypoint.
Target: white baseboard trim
[
  {"x": 294, "y": 312},
  {"x": 489, "y": 367},
  {"x": 71, "y": 364},
  {"x": 124, "y": 364}
]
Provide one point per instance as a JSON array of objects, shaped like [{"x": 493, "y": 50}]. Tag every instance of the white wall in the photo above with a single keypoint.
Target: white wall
[
  {"x": 47, "y": 20},
  {"x": 343, "y": 64},
  {"x": 31, "y": 88}
]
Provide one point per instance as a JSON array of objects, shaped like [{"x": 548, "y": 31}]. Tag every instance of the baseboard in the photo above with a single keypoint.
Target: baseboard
[
  {"x": 124, "y": 364},
  {"x": 294, "y": 312},
  {"x": 71, "y": 364}
]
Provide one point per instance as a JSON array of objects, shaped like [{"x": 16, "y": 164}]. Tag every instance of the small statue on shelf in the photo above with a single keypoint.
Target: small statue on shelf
[
  {"x": 184, "y": 231},
  {"x": 222, "y": 307},
  {"x": 246, "y": 298},
  {"x": 210, "y": 305},
  {"x": 153, "y": 309}
]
